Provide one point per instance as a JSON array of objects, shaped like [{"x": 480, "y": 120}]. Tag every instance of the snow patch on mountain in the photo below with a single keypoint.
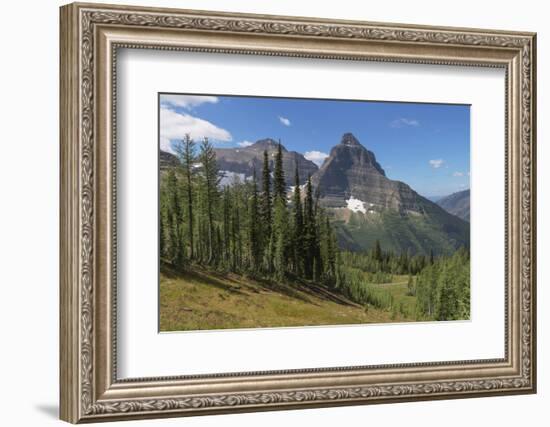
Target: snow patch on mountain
[
  {"x": 356, "y": 205},
  {"x": 229, "y": 178}
]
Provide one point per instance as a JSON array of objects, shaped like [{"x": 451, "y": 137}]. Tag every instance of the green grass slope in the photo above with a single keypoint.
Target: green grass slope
[{"x": 200, "y": 300}]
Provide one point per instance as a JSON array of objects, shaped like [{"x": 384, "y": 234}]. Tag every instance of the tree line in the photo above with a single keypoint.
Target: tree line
[
  {"x": 377, "y": 260},
  {"x": 443, "y": 288},
  {"x": 250, "y": 226}
]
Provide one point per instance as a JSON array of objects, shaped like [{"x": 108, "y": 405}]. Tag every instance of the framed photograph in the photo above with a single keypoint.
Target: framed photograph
[{"x": 266, "y": 212}]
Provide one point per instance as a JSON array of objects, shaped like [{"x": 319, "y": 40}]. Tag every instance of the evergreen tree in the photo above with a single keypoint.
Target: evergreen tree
[
  {"x": 318, "y": 266},
  {"x": 328, "y": 251},
  {"x": 279, "y": 184},
  {"x": 266, "y": 215},
  {"x": 175, "y": 218},
  {"x": 236, "y": 229},
  {"x": 280, "y": 238},
  {"x": 186, "y": 155},
  {"x": 298, "y": 230},
  {"x": 280, "y": 233},
  {"x": 226, "y": 226},
  {"x": 309, "y": 231},
  {"x": 254, "y": 226},
  {"x": 211, "y": 180}
]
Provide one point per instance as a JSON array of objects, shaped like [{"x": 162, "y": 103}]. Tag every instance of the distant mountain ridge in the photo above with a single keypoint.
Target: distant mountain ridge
[
  {"x": 457, "y": 204},
  {"x": 243, "y": 160}
]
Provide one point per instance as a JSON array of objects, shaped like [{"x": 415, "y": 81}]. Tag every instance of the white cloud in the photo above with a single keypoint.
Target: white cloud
[
  {"x": 175, "y": 125},
  {"x": 244, "y": 143},
  {"x": 436, "y": 163},
  {"x": 187, "y": 101},
  {"x": 316, "y": 157},
  {"x": 458, "y": 173},
  {"x": 284, "y": 121},
  {"x": 402, "y": 122}
]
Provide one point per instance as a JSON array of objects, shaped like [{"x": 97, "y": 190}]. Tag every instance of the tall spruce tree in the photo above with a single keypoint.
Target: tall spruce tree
[
  {"x": 175, "y": 217},
  {"x": 317, "y": 229},
  {"x": 298, "y": 231},
  {"x": 266, "y": 213},
  {"x": 254, "y": 226},
  {"x": 226, "y": 226},
  {"x": 211, "y": 180},
  {"x": 186, "y": 154},
  {"x": 328, "y": 251},
  {"x": 280, "y": 238},
  {"x": 279, "y": 184},
  {"x": 266, "y": 193},
  {"x": 309, "y": 231},
  {"x": 280, "y": 234}
]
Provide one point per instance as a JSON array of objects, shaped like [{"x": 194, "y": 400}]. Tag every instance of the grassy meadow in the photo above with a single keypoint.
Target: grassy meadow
[{"x": 203, "y": 299}]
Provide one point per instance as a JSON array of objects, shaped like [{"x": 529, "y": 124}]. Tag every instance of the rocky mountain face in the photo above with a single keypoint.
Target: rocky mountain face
[
  {"x": 352, "y": 171},
  {"x": 457, "y": 204},
  {"x": 167, "y": 160},
  {"x": 369, "y": 206},
  {"x": 242, "y": 161}
]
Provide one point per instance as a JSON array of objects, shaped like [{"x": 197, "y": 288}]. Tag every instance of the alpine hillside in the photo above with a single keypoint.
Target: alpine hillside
[{"x": 457, "y": 204}]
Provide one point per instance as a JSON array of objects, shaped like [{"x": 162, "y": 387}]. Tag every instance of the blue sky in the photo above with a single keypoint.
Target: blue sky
[{"x": 424, "y": 145}]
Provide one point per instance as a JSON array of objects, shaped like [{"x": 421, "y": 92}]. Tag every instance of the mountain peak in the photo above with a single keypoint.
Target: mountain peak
[
  {"x": 349, "y": 139},
  {"x": 267, "y": 144}
]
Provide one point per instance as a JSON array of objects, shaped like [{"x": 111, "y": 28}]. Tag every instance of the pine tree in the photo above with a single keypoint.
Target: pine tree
[
  {"x": 211, "y": 180},
  {"x": 219, "y": 245},
  {"x": 175, "y": 219},
  {"x": 236, "y": 229},
  {"x": 226, "y": 226},
  {"x": 280, "y": 232},
  {"x": 309, "y": 231},
  {"x": 279, "y": 184},
  {"x": 280, "y": 238},
  {"x": 328, "y": 250},
  {"x": 298, "y": 231},
  {"x": 253, "y": 228},
  {"x": 186, "y": 154},
  {"x": 266, "y": 193},
  {"x": 266, "y": 214},
  {"x": 317, "y": 230}
]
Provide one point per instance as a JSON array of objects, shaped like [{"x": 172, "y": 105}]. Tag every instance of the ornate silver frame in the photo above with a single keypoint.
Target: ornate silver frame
[{"x": 90, "y": 36}]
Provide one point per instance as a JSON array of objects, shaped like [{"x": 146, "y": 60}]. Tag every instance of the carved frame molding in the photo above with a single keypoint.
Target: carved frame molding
[{"x": 90, "y": 35}]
